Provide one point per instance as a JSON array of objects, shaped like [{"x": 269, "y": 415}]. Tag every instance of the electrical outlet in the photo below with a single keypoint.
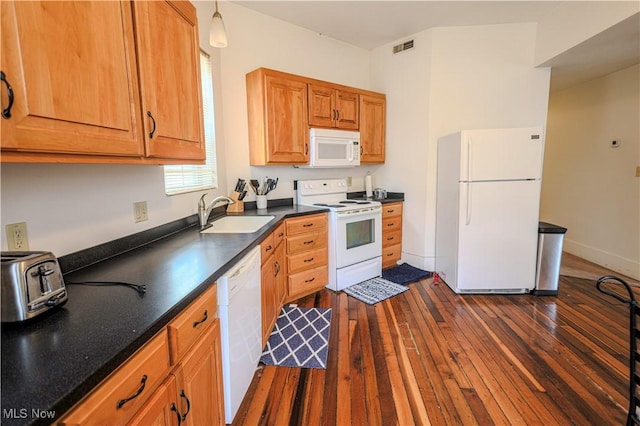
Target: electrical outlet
[
  {"x": 140, "y": 213},
  {"x": 349, "y": 181},
  {"x": 17, "y": 239}
]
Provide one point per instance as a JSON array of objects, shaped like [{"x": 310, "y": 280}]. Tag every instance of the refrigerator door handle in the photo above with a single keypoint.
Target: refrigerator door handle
[{"x": 468, "y": 206}]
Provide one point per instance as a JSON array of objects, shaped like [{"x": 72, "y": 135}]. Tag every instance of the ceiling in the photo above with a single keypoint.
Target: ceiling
[{"x": 369, "y": 24}]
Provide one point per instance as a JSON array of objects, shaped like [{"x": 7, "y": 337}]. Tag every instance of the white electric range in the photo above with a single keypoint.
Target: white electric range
[{"x": 355, "y": 231}]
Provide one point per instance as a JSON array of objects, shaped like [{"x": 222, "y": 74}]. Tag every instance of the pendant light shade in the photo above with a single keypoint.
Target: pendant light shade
[{"x": 217, "y": 32}]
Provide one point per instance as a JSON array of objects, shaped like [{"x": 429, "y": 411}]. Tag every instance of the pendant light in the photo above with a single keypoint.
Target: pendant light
[{"x": 217, "y": 32}]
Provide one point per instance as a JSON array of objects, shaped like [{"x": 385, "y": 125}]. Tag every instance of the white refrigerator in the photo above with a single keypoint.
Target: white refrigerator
[{"x": 488, "y": 199}]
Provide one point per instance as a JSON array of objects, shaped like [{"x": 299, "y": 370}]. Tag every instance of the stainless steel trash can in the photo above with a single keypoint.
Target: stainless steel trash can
[{"x": 550, "y": 239}]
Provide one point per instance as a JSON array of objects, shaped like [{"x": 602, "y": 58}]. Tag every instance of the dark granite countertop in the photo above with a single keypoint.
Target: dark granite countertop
[{"x": 51, "y": 363}]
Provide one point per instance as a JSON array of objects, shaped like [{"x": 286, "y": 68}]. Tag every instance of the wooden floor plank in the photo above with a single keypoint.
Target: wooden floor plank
[{"x": 430, "y": 356}]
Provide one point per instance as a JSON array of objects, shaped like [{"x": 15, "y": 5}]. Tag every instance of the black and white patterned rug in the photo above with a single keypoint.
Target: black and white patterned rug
[
  {"x": 300, "y": 338},
  {"x": 375, "y": 290}
]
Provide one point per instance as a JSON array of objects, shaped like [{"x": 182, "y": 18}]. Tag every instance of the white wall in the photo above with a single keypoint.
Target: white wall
[
  {"x": 571, "y": 23},
  {"x": 469, "y": 77},
  {"x": 588, "y": 186},
  {"x": 405, "y": 79}
]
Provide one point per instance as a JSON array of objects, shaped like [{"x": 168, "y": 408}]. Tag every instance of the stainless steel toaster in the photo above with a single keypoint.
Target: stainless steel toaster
[{"x": 31, "y": 283}]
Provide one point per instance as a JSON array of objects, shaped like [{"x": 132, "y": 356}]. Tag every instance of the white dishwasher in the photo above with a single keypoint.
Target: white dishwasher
[{"x": 239, "y": 308}]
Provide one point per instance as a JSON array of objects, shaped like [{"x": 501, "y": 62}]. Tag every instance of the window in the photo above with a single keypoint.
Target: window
[{"x": 179, "y": 179}]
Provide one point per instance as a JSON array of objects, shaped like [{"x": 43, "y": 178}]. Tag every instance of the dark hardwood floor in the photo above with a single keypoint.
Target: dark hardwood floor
[{"x": 429, "y": 356}]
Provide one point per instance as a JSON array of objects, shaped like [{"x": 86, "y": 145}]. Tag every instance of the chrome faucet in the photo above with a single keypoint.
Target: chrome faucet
[{"x": 204, "y": 212}]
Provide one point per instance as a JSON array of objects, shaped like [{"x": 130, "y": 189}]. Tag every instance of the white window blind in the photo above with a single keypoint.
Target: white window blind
[{"x": 179, "y": 179}]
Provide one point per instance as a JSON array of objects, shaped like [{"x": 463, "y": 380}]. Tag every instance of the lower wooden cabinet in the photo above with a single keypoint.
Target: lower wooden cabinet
[
  {"x": 128, "y": 389},
  {"x": 148, "y": 389},
  {"x": 273, "y": 279},
  {"x": 200, "y": 381},
  {"x": 391, "y": 234},
  {"x": 307, "y": 255}
]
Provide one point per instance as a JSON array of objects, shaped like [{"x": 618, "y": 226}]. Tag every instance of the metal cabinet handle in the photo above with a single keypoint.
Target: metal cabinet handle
[
  {"x": 204, "y": 318},
  {"x": 6, "y": 113},
  {"x": 308, "y": 242},
  {"x": 308, "y": 281},
  {"x": 178, "y": 415},
  {"x": 307, "y": 225},
  {"x": 184, "y": 396},
  {"x": 277, "y": 266},
  {"x": 308, "y": 260},
  {"x": 153, "y": 120},
  {"x": 268, "y": 248},
  {"x": 143, "y": 382},
  {"x": 306, "y": 149}
]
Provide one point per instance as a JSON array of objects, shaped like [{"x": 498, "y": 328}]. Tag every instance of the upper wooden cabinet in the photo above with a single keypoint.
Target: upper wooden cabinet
[
  {"x": 169, "y": 66},
  {"x": 372, "y": 128},
  {"x": 331, "y": 107},
  {"x": 81, "y": 86},
  {"x": 72, "y": 68},
  {"x": 278, "y": 125},
  {"x": 282, "y": 107}
]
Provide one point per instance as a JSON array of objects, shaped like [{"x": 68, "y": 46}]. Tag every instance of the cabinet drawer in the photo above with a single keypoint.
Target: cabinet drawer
[
  {"x": 266, "y": 248},
  {"x": 128, "y": 388},
  {"x": 390, "y": 224},
  {"x": 305, "y": 242},
  {"x": 306, "y": 260},
  {"x": 307, "y": 223},
  {"x": 391, "y": 238},
  {"x": 394, "y": 209},
  {"x": 278, "y": 235},
  {"x": 391, "y": 255},
  {"x": 307, "y": 282},
  {"x": 187, "y": 327}
]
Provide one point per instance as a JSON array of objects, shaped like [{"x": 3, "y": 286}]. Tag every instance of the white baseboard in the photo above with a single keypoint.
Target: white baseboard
[
  {"x": 422, "y": 262},
  {"x": 625, "y": 266}
]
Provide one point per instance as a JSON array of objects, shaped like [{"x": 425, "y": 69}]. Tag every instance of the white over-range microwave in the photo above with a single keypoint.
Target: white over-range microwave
[{"x": 333, "y": 148}]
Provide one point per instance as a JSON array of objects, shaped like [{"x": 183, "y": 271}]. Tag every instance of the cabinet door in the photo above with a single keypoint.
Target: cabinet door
[
  {"x": 286, "y": 121},
  {"x": 347, "y": 115},
  {"x": 331, "y": 107},
  {"x": 280, "y": 278},
  {"x": 169, "y": 65},
  {"x": 268, "y": 294},
  {"x": 322, "y": 106},
  {"x": 372, "y": 128},
  {"x": 72, "y": 69},
  {"x": 161, "y": 409},
  {"x": 200, "y": 384}
]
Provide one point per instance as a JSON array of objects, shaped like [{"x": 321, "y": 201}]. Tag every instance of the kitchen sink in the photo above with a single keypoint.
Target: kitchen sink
[{"x": 237, "y": 224}]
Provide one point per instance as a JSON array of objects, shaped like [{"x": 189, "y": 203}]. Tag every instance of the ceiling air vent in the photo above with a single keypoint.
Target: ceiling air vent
[{"x": 403, "y": 46}]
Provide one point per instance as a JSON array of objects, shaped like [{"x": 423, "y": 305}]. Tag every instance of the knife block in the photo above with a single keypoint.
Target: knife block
[{"x": 238, "y": 207}]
